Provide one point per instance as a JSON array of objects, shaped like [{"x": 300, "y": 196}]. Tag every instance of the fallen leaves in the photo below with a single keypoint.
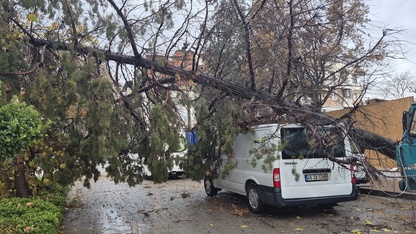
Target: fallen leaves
[
  {"x": 239, "y": 211},
  {"x": 367, "y": 222},
  {"x": 375, "y": 227}
]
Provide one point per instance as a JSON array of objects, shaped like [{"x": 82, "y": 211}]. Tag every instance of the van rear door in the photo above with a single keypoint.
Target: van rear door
[{"x": 305, "y": 171}]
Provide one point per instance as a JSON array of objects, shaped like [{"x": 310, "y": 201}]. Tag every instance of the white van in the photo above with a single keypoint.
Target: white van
[
  {"x": 174, "y": 172},
  {"x": 176, "y": 169},
  {"x": 282, "y": 165}
]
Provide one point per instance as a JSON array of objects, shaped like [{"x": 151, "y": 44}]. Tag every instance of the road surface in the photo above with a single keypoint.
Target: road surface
[{"x": 181, "y": 206}]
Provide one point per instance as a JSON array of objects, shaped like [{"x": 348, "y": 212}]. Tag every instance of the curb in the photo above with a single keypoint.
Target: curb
[{"x": 401, "y": 195}]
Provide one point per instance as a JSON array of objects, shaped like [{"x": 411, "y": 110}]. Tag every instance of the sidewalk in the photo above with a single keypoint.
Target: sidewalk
[{"x": 388, "y": 186}]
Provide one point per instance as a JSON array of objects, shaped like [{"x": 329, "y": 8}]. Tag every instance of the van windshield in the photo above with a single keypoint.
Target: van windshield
[
  {"x": 355, "y": 149},
  {"x": 299, "y": 143},
  {"x": 182, "y": 144}
]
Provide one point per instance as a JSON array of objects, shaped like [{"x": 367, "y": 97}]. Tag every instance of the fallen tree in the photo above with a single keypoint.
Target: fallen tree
[
  {"x": 365, "y": 139},
  {"x": 282, "y": 59}
]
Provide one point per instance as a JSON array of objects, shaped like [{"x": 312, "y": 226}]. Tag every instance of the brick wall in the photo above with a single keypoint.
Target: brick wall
[{"x": 383, "y": 118}]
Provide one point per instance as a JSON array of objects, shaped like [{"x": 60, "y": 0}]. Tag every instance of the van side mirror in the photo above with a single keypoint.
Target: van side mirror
[{"x": 405, "y": 121}]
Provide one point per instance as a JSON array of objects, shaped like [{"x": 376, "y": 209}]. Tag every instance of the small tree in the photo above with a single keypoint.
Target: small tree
[
  {"x": 397, "y": 86},
  {"x": 20, "y": 127}
]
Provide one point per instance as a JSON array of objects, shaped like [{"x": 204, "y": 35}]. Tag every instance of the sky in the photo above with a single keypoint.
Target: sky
[{"x": 400, "y": 14}]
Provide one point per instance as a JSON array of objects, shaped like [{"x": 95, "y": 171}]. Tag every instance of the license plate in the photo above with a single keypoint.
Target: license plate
[{"x": 317, "y": 177}]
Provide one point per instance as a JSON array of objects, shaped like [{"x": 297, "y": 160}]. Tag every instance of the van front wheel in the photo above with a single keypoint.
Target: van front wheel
[
  {"x": 210, "y": 190},
  {"x": 253, "y": 199}
]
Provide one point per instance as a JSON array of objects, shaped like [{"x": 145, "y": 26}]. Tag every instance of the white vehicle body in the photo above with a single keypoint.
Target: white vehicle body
[
  {"x": 295, "y": 178},
  {"x": 177, "y": 157},
  {"x": 174, "y": 172},
  {"x": 360, "y": 169}
]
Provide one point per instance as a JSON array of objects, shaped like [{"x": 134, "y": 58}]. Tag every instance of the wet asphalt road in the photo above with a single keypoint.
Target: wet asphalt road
[{"x": 181, "y": 206}]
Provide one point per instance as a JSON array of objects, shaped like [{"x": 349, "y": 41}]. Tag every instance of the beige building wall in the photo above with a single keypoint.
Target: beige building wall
[{"x": 383, "y": 118}]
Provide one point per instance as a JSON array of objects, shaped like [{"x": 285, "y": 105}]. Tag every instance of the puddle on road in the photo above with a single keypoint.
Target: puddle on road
[{"x": 113, "y": 223}]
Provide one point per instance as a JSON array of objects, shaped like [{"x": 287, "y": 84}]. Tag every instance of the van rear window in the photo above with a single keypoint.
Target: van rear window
[{"x": 299, "y": 143}]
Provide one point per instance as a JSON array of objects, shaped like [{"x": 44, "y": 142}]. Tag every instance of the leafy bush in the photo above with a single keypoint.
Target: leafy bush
[
  {"x": 32, "y": 215},
  {"x": 21, "y": 126}
]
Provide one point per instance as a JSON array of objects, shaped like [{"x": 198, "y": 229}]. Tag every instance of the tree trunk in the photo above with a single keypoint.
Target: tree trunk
[{"x": 20, "y": 183}]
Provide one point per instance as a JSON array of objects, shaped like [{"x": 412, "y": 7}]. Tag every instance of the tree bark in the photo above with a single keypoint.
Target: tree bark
[{"x": 20, "y": 183}]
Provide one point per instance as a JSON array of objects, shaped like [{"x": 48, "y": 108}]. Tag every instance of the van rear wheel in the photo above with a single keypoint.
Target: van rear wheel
[
  {"x": 253, "y": 199},
  {"x": 210, "y": 190}
]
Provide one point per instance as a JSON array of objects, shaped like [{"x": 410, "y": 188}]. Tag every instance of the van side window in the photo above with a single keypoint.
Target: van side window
[{"x": 298, "y": 144}]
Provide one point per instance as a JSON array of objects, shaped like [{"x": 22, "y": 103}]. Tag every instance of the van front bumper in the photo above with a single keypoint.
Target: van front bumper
[{"x": 273, "y": 196}]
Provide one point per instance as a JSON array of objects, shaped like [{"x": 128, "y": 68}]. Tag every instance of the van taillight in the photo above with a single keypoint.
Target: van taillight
[
  {"x": 353, "y": 180},
  {"x": 276, "y": 177}
]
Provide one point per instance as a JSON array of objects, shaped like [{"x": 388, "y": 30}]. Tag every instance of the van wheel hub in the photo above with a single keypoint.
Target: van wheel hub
[{"x": 253, "y": 198}]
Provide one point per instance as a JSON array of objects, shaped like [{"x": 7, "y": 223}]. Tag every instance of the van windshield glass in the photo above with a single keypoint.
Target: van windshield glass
[
  {"x": 182, "y": 144},
  {"x": 355, "y": 149},
  {"x": 299, "y": 143}
]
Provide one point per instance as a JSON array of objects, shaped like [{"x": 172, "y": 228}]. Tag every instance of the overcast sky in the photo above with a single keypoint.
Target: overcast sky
[{"x": 398, "y": 14}]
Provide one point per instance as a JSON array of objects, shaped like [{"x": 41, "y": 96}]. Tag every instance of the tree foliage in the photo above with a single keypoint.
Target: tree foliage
[
  {"x": 20, "y": 127},
  {"x": 104, "y": 73}
]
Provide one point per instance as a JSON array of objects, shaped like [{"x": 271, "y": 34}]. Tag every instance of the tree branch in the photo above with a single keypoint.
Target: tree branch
[
  {"x": 248, "y": 45},
  {"x": 127, "y": 27},
  {"x": 302, "y": 114},
  {"x": 31, "y": 70}
]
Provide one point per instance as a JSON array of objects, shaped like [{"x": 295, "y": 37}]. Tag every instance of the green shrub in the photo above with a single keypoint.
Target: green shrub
[{"x": 31, "y": 215}]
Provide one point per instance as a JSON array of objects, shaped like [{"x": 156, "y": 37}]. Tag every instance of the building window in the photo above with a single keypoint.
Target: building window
[{"x": 346, "y": 93}]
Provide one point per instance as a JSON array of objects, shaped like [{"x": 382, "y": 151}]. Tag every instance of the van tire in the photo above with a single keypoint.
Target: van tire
[
  {"x": 210, "y": 190},
  {"x": 254, "y": 202}
]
